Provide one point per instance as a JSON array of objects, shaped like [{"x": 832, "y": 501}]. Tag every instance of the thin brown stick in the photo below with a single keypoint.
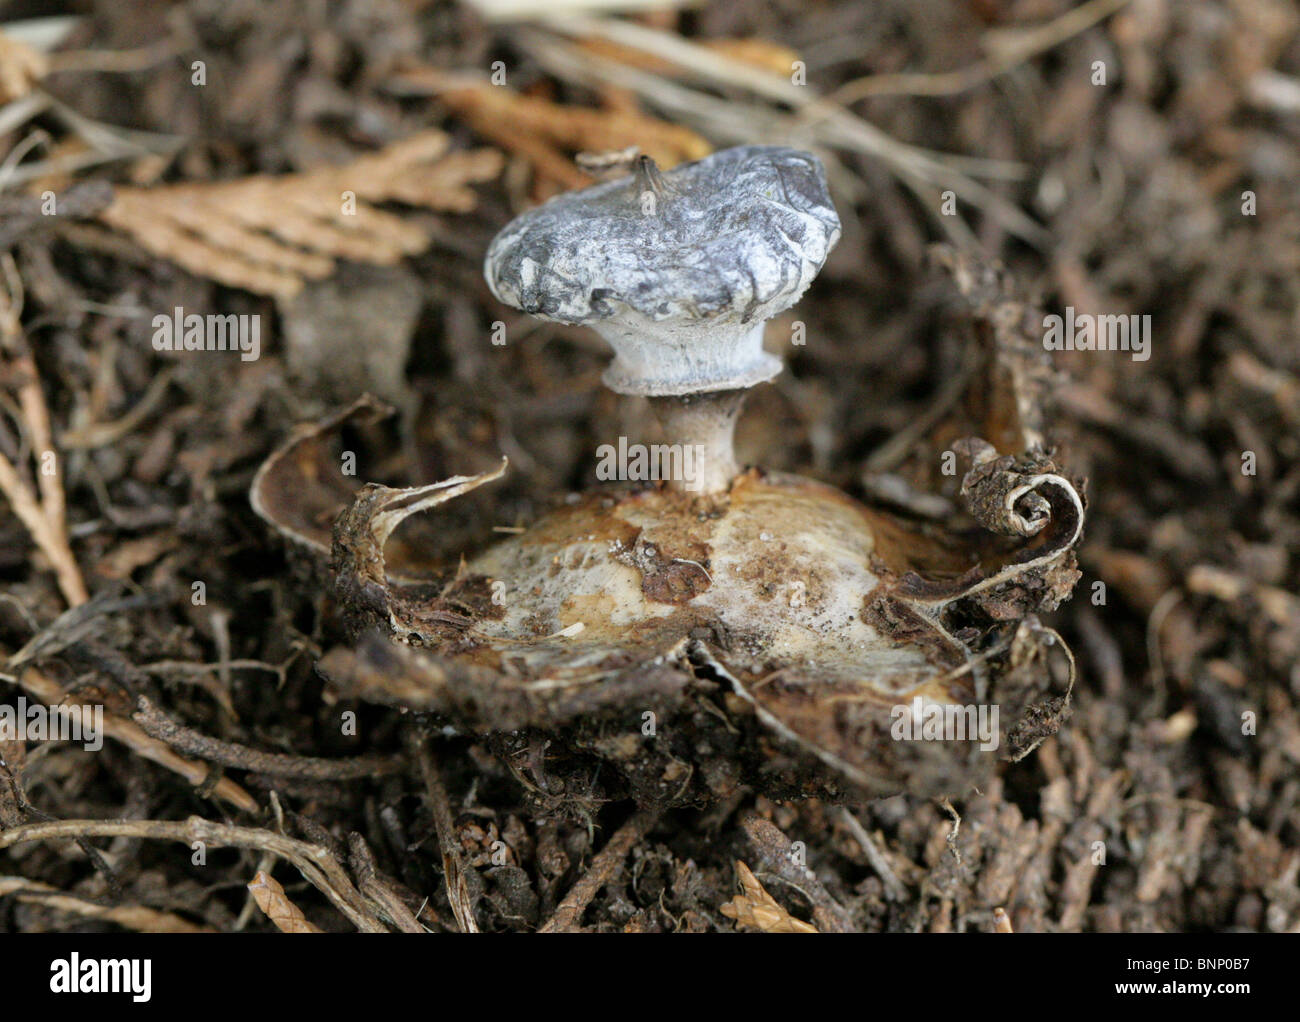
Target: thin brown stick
[
  {"x": 45, "y": 519},
  {"x": 604, "y": 869},
  {"x": 453, "y": 868},
  {"x": 158, "y": 725},
  {"x": 317, "y": 865},
  {"x": 376, "y": 889},
  {"x": 1011, "y": 49},
  {"x": 894, "y": 889},
  {"x": 141, "y": 58},
  {"x": 132, "y": 917},
  {"x": 130, "y": 734}
]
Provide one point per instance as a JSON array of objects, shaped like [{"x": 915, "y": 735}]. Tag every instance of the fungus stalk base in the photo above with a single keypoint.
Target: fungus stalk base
[{"x": 706, "y": 424}]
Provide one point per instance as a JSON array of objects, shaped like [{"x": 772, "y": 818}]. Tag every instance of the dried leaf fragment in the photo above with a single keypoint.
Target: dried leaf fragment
[
  {"x": 272, "y": 900},
  {"x": 755, "y": 909},
  {"x": 21, "y": 67},
  {"x": 543, "y": 131},
  {"x": 299, "y": 490}
]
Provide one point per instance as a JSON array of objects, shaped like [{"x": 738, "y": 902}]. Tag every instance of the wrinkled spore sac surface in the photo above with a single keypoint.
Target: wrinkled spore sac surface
[{"x": 740, "y": 230}]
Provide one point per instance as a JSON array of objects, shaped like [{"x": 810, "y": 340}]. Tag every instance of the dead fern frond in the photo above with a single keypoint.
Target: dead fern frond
[{"x": 270, "y": 235}]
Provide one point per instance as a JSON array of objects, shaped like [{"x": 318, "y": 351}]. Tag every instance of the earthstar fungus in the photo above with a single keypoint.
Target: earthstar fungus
[{"x": 770, "y": 629}]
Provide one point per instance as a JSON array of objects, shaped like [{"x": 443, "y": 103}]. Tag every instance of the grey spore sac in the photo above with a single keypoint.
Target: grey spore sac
[{"x": 677, "y": 271}]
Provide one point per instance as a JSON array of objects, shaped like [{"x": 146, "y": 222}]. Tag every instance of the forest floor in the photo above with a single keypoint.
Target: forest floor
[{"x": 1135, "y": 158}]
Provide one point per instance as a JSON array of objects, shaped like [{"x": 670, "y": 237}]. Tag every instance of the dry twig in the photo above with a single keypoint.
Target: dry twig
[
  {"x": 894, "y": 889},
  {"x": 131, "y": 735},
  {"x": 453, "y": 865},
  {"x": 1008, "y": 49},
  {"x": 132, "y": 917},
  {"x": 158, "y": 725},
  {"x": 604, "y": 868},
  {"x": 317, "y": 865},
  {"x": 41, "y": 508}
]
